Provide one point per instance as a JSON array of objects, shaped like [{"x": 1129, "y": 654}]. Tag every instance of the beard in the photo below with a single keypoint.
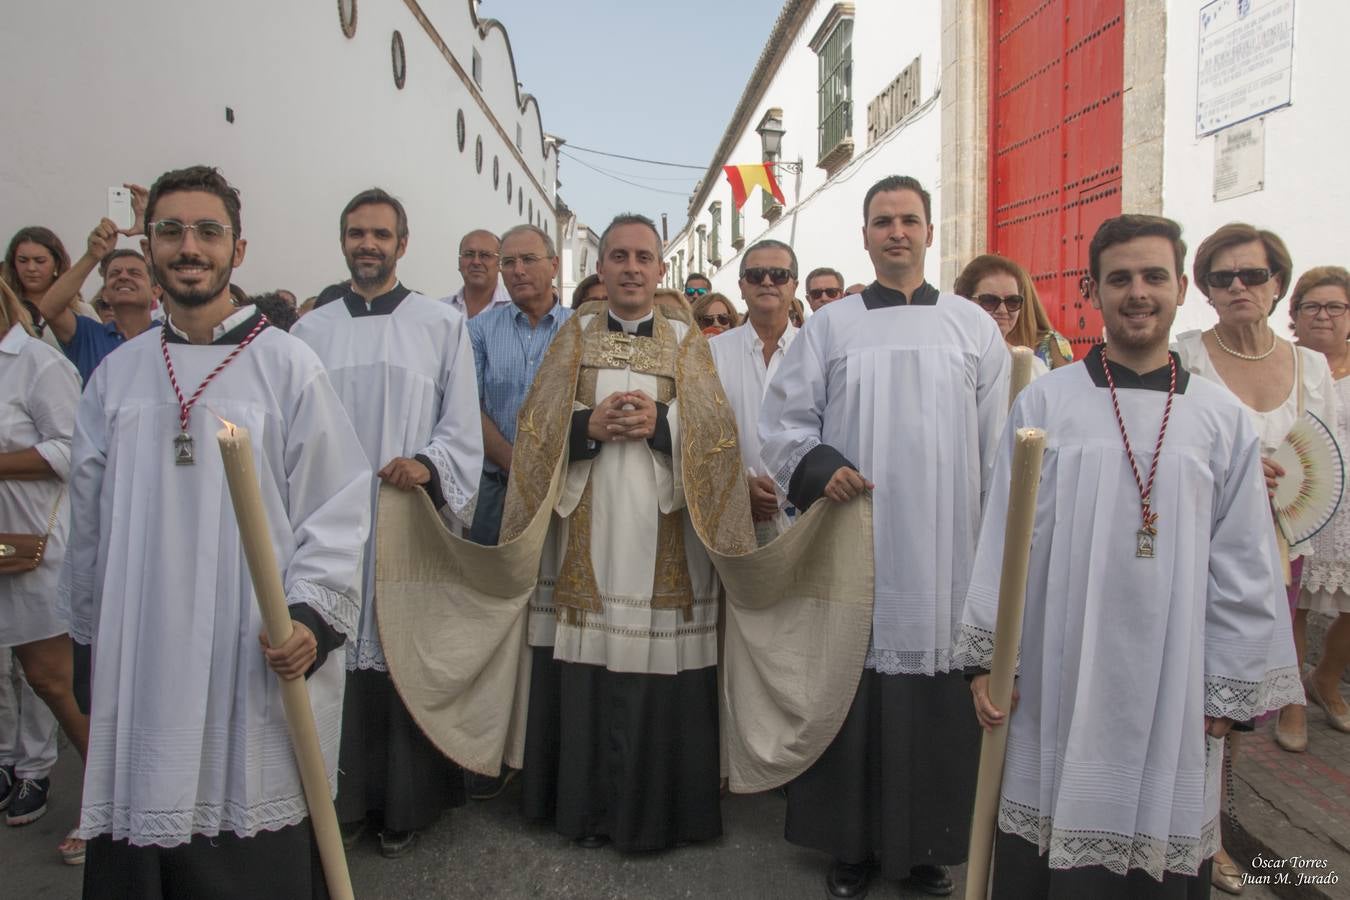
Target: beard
[
  {"x": 194, "y": 296},
  {"x": 362, "y": 274}
]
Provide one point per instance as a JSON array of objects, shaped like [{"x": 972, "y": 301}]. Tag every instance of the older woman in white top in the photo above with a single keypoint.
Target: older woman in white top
[
  {"x": 1005, "y": 291},
  {"x": 1321, "y": 312},
  {"x": 37, "y": 415}
]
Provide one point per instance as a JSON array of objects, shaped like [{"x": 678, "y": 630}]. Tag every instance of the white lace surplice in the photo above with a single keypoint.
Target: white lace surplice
[
  {"x": 188, "y": 734},
  {"x": 915, "y": 397},
  {"x": 1122, "y": 657},
  {"x": 408, "y": 383}
]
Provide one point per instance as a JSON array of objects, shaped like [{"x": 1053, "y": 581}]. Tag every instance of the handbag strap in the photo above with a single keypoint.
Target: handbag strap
[
  {"x": 56, "y": 508},
  {"x": 1298, "y": 377}
]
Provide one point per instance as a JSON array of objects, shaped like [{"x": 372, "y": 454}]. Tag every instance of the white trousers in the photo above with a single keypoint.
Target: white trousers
[{"x": 27, "y": 726}]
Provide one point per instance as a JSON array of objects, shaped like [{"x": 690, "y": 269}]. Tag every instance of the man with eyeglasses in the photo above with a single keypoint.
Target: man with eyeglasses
[
  {"x": 479, "y": 252},
  {"x": 823, "y": 285},
  {"x": 128, "y": 289},
  {"x": 403, "y": 366},
  {"x": 191, "y": 789},
  {"x": 696, "y": 286},
  {"x": 901, "y": 392},
  {"x": 747, "y": 357}
]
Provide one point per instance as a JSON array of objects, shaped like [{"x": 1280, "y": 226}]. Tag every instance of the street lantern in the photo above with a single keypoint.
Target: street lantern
[{"x": 771, "y": 133}]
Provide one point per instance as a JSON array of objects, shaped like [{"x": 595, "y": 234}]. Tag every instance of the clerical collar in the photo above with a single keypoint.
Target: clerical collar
[
  {"x": 232, "y": 330},
  {"x": 382, "y": 305},
  {"x": 1157, "y": 380},
  {"x": 641, "y": 327},
  {"x": 877, "y": 296}
]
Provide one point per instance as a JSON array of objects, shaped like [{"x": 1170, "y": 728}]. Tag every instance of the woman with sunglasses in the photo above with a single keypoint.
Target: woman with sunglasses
[
  {"x": 1004, "y": 290},
  {"x": 1244, "y": 272},
  {"x": 714, "y": 314},
  {"x": 1319, "y": 307}
]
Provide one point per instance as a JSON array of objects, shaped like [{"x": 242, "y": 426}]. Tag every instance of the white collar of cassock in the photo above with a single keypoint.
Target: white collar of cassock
[
  {"x": 234, "y": 319},
  {"x": 632, "y": 327}
]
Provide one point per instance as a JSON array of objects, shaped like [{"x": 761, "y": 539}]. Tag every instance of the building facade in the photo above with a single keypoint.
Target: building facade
[
  {"x": 301, "y": 105},
  {"x": 1031, "y": 121}
]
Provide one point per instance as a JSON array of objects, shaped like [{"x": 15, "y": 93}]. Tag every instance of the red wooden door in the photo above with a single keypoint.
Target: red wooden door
[{"x": 1055, "y": 130}]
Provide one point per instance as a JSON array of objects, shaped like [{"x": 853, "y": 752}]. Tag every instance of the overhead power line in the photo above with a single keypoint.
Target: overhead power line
[
  {"x": 644, "y": 187},
  {"x": 653, "y": 162},
  {"x": 682, "y": 179}
]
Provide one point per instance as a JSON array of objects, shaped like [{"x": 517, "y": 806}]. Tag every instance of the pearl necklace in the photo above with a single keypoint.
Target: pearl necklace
[{"x": 1274, "y": 341}]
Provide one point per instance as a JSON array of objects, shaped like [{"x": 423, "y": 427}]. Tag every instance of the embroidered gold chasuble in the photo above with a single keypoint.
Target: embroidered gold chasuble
[{"x": 453, "y": 615}]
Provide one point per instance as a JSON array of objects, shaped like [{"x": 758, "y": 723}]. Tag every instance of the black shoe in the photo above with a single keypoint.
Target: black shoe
[
  {"x": 484, "y": 787},
  {"x": 592, "y": 841},
  {"x": 29, "y": 802},
  {"x": 352, "y": 833},
  {"x": 848, "y": 880},
  {"x": 6, "y": 786},
  {"x": 394, "y": 844},
  {"x": 933, "y": 880}
]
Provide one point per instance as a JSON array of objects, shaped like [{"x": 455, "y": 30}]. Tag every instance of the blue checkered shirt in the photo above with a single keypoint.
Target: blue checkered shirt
[{"x": 507, "y": 353}]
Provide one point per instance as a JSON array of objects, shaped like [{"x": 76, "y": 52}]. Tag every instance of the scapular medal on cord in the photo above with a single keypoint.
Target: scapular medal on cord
[
  {"x": 1148, "y": 532},
  {"x": 182, "y": 442}
]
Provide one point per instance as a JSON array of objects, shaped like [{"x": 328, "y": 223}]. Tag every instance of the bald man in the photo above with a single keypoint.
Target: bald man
[{"x": 479, "y": 264}]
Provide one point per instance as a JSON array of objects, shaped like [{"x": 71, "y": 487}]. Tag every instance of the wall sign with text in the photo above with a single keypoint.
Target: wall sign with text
[{"x": 1246, "y": 61}]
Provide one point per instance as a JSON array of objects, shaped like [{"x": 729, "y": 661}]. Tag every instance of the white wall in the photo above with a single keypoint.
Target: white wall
[
  {"x": 828, "y": 214},
  {"x": 137, "y": 89},
  {"x": 1306, "y": 191}
]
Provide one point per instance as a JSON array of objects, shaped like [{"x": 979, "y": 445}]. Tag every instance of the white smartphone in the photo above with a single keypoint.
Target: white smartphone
[{"x": 119, "y": 207}]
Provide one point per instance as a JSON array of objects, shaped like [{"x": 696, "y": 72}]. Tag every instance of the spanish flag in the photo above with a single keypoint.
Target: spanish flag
[{"x": 743, "y": 179}]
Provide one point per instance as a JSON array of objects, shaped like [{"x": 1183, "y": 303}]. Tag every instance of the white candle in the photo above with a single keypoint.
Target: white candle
[
  {"x": 1021, "y": 372},
  {"x": 236, "y": 451},
  {"x": 1012, "y": 590}
]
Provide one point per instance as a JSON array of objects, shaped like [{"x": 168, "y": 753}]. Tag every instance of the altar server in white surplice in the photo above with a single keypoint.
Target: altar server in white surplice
[
  {"x": 748, "y": 356},
  {"x": 191, "y": 788},
  {"x": 1152, "y": 601},
  {"x": 404, "y": 368},
  {"x": 905, "y": 388}
]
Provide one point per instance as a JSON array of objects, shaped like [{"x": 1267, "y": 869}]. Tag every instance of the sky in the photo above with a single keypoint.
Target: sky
[{"x": 645, "y": 79}]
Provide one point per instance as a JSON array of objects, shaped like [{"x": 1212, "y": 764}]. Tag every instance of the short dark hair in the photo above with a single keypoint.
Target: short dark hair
[
  {"x": 108, "y": 258},
  {"x": 205, "y": 179},
  {"x": 826, "y": 270},
  {"x": 769, "y": 244},
  {"x": 630, "y": 219},
  {"x": 277, "y": 309},
  {"x": 579, "y": 294},
  {"x": 1122, "y": 229},
  {"x": 1234, "y": 233},
  {"x": 900, "y": 183},
  {"x": 371, "y": 197},
  {"x": 697, "y": 275}
]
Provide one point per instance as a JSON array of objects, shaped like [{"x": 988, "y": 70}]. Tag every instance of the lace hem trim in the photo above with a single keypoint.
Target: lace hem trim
[
  {"x": 342, "y": 611},
  {"x": 1077, "y": 848},
  {"x": 1332, "y": 577},
  {"x": 1229, "y": 698},
  {"x": 365, "y": 653},
  {"x": 462, "y": 502},
  {"x": 172, "y": 827},
  {"x": 974, "y": 647},
  {"x": 908, "y": 662},
  {"x": 784, "y": 475}
]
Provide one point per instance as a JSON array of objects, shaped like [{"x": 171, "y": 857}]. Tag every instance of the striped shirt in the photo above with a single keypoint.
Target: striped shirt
[{"x": 508, "y": 353}]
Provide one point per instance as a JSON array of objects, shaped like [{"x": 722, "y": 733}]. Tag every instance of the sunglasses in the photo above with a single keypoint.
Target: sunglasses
[
  {"x": 1224, "y": 277},
  {"x": 778, "y": 276},
  {"x": 717, "y": 319},
  {"x": 817, "y": 293},
  {"x": 991, "y": 302},
  {"x": 695, "y": 292}
]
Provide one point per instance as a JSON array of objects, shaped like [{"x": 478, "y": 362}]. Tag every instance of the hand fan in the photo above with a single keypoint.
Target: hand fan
[{"x": 1307, "y": 496}]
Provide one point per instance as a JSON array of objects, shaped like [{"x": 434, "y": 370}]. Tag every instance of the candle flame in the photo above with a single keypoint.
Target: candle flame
[{"x": 228, "y": 424}]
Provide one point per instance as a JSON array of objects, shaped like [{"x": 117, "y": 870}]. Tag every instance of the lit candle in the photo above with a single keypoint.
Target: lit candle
[
  {"x": 1012, "y": 592},
  {"x": 1021, "y": 372},
  {"x": 236, "y": 451}
]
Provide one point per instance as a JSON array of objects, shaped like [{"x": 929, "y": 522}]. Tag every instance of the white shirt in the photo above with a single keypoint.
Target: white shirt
[
  {"x": 738, "y": 354},
  {"x": 456, "y": 300}
]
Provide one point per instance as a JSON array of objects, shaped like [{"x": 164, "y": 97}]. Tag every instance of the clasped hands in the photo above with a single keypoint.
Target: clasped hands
[{"x": 623, "y": 416}]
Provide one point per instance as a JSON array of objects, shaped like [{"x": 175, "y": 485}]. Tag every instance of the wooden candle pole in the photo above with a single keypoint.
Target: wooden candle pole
[
  {"x": 1021, "y": 372},
  {"x": 1012, "y": 589},
  {"x": 236, "y": 449}
]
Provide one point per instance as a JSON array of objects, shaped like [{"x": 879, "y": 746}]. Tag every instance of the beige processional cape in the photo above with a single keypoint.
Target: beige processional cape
[{"x": 452, "y": 614}]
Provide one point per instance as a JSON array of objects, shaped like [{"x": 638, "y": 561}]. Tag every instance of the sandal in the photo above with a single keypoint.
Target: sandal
[{"x": 72, "y": 849}]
